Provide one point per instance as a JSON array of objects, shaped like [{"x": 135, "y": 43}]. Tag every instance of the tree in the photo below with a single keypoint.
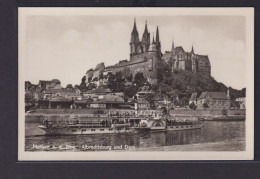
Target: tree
[
  {"x": 83, "y": 80},
  {"x": 192, "y": 106},
  {"x": 129, "y": 77},
  {"x": 224, "y": 112},
  {"x": 205, "y": 105},
  {"x": 126, "y": 72},
  {"x": 139, "y": 79},
  {"x": 28, "y": 84},
  {"x": 184, "y": 101},
  {"x": 95, "y": 79},
  {"x": 69, "y": 86},
  {"x": 91, "y": 86},
  {"x": 130, "y": 91}
]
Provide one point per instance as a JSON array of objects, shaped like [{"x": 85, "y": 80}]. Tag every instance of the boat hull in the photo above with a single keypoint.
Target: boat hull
[{"x": 80, "y": 131}]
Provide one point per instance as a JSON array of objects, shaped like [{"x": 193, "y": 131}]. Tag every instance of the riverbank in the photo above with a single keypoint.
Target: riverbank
[
  {"x": 227, "y": 145},
  {"x": 180, "y": 114}
]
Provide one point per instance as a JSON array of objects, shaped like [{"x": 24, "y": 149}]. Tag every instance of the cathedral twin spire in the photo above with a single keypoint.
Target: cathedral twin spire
[
  {"x": 143, "y": 46},
  {"x": 134, "y": 35}
]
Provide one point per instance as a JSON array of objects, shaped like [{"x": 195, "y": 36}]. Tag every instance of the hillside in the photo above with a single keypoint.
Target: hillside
[
  {"x": 182, "y": 83},
  {"x": 175, "y": 86}
]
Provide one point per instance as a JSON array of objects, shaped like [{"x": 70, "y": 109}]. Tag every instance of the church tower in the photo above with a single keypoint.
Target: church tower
[
  {"x": 134, "y": 42},
  {"x": 192, "y": 50},
  {"x": 194, "y": 61},
  {"x": 157, "y": 40},
  {"x": 146, "y": 39},
  {"x": 172, "y": 46}
]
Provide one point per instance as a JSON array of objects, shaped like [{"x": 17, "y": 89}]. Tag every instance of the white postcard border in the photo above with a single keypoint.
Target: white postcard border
[{"x": 248, "y": 154}]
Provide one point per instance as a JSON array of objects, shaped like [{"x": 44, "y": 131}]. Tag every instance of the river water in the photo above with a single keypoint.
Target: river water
[{"x": 212, "y": 131}]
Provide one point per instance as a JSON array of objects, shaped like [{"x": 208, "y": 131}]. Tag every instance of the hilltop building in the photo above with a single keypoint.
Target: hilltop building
[
  {"x": 146, "y": 57},
  {"x": 179, "y": 59}
]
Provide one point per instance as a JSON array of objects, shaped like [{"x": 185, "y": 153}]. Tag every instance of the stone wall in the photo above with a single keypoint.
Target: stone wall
[
  {"x": 208, "y": 112},
  {"x": 146, "y": 63}
]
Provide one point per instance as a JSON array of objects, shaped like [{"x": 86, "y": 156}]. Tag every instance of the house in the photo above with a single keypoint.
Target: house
[
  {"x": 242, "y": 102},
  {"x": 141, "y": 103},
  {"x": 102, "y": 90},
  {"x": 193, "y": 98},
  {"x": 144, "y": 91},
  {"x": 213, "y": 100},
  {"x": 107, "y": 102},
  {"x": 65, "y": 93},
  {"x": 83, "y": 103},
  {"x": 53, "y": 84}
]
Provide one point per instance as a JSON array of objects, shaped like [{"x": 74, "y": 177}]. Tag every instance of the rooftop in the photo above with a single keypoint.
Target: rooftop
[
  {"x": 193, "y": 96},
  {"x": 214, "y": 95},
  {"x": 99, "y": 90}
]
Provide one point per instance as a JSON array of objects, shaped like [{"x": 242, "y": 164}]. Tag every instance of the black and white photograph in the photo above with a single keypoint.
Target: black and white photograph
[{"x": 136, "y": 84}]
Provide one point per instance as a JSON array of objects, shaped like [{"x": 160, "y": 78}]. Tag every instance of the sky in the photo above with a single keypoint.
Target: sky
[{"x": 65, "y": 47}]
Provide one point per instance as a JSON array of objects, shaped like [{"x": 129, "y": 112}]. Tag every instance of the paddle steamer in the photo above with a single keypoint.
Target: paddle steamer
[{"x": 114, "y": 124}]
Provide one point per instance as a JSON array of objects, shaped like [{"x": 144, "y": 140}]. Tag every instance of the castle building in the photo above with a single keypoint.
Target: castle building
[
  {"x": 146, "y": 57},
  {"x": 177, "y": 58}
]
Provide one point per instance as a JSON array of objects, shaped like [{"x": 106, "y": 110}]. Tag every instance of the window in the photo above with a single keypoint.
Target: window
[
  {"x": 93, "y": 129},
  {"x": 73, "y": 130},
  {"x": 101, "y": 129},
  {"x": 83, "y": 130}
]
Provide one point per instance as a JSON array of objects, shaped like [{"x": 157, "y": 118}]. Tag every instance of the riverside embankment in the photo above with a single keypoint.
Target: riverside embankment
[{"x": 179, "y": 114}]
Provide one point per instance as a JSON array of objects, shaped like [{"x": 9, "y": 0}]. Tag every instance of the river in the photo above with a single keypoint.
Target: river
[{"x": 212, "y": 131}]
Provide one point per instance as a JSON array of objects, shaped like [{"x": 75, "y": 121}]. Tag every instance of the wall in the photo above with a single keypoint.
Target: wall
[
  {"x": 89, "y": 74},
  {"x": 208, "y": 112},
  {"x": 146, "y": 63}
]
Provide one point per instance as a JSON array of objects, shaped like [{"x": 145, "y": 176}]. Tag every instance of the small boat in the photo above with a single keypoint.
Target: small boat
[
  {"x": 184, "y": 127},
  {"x": 32, "y": 110}
]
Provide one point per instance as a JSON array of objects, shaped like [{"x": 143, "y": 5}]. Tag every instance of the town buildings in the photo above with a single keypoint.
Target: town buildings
[
  {"x": 213, "y": 100},
  {"x": 142, "y": 103},
  {"x": 242, "y": 102}
]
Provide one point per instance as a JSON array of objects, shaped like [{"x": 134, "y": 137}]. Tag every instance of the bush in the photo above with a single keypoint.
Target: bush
[
  {"x": 205, "y": 105},
  {"x": 192, "y": 106},
  {"x": 224, "y": 112}
]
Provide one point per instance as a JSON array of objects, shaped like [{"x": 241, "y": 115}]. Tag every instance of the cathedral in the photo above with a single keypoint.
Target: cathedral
[{"x": 146, "y": 57}]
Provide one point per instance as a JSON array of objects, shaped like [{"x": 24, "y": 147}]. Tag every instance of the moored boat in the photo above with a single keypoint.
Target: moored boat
[
  {"x": 110, "y": 125},
  {"x": 184, "y": 127}
]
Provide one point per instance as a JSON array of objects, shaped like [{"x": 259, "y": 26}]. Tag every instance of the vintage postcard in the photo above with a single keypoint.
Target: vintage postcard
[{"x": 136, "y": 84}]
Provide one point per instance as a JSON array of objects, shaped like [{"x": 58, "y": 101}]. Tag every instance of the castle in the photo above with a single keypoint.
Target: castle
[{"x": 146, "y": 57}]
